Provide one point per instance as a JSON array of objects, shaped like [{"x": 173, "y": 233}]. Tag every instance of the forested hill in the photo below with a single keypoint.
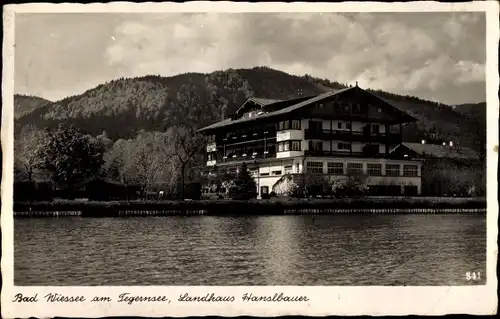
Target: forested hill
[
  {"x": 124, "y": 106},
  {"x": 475, "y": 111},
  {"x": 24, "y": 104}
]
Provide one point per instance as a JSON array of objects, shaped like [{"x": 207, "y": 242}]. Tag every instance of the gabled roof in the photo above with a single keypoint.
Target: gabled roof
[
  {"x": 293, "y": 107},
  {"x": 271, "y": 114},
  {"x": 264, "y": 102},
  {"x": 259, "y": 101},
  {"x": 310, "y": 101},
  {"x": 443, "y": 151}
]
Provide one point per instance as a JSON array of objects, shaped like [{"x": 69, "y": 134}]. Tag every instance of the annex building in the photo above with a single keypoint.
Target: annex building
[{"x": 335, "y": 134}]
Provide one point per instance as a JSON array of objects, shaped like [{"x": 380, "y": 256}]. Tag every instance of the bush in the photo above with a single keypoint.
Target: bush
[
  {"x": 192, "y": 191},
  {"x": 44, "y": 191},
  {"x": 354, "y": 185},
  {"x": 272, "y": 194},
  {"x": 24, "y": 191},
  {"x": 31, "y": 191}
]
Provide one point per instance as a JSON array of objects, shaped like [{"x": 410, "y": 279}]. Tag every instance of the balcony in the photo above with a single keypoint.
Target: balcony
[
  {"x": 247, "y": 157},
  {"x": 344, "y": 135},
  {"x": 245, "y": 137},
  {"x": 344, "y": 154}
]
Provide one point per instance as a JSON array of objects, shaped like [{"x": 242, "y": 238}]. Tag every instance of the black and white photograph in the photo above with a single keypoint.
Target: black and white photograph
[{"x": 249, "y": 149}]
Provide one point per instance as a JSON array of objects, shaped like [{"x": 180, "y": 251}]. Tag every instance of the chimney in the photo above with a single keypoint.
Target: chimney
[
  {"x": 423, "y": 141},
  {"x": 451, "y": 143}
]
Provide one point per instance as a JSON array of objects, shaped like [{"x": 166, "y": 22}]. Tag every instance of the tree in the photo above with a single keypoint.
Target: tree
[
  {"x": 70, "y": 156},
  {"x": 243, "y": 186},
  {"x": 104, "y": 140},
  {"x": 185, "y": 145},
  {"x": 26, "y": 150},
  {"x": 183, "y": 120},
  {"x": 145, "y": 160}
]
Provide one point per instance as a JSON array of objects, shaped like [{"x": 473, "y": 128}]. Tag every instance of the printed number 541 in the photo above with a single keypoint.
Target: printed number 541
[{"x": 472, "y": 275}]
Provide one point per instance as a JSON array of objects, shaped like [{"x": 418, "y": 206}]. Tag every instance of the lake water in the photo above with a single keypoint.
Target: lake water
[{"x": 251, "y": 250}]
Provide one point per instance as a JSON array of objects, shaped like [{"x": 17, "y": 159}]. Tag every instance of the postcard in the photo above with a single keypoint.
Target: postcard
[{"x": 262, "y": 159}]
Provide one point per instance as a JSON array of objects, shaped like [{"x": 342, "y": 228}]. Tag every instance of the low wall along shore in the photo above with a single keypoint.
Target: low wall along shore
[{"x": 365, "y": 205}]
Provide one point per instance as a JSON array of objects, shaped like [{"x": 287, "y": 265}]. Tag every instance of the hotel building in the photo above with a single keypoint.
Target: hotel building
[{"x": 335, "y": 134}]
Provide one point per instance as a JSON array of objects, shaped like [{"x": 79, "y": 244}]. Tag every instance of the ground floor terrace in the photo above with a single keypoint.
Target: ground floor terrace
[{"x": 381, "y": 176}]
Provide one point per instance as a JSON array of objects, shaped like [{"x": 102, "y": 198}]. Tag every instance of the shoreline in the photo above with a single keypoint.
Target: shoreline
[{"x": 364, "y": 205}]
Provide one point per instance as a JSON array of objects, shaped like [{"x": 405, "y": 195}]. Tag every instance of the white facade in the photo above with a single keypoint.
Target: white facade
[{"x": 268, "y": 174}]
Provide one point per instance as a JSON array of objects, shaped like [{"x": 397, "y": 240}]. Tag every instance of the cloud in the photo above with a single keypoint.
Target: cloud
[{"x": 430, "y": 54}]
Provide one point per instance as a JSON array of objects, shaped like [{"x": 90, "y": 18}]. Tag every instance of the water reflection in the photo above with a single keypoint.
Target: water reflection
[{"x": 258, "y": 250}]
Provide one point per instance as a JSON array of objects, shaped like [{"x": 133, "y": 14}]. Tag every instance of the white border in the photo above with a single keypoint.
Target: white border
[{"x": 323, "y": 300}]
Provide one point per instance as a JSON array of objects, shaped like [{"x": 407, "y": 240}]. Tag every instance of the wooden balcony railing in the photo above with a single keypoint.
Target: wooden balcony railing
[
  {"x": 344, "y": 154},
  {"x": 249, "y": 157},
  {"x": 344, "y": 135}
]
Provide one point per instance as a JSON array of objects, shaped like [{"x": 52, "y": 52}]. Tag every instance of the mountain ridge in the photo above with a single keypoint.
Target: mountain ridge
[{"x": 124, "y": 106}]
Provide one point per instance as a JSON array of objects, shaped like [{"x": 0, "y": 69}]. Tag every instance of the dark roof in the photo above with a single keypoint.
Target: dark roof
[
  {"x": 443, "y": 151},
  {"x": 259, "y": 101},
  {"x": 271, "y": 114},
  {"x": 264, "y": 102},
  {"x": 289, "y": 109}
]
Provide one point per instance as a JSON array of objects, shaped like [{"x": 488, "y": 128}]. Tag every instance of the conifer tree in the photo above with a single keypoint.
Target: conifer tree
[{"x": 243, "y": 186}]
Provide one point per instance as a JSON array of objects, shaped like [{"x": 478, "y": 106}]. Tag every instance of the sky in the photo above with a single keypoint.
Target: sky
[{"x": 437, "y": 56}]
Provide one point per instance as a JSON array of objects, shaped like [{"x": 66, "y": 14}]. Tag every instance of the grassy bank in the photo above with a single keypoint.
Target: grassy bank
[{"x": 233, "y": 207}]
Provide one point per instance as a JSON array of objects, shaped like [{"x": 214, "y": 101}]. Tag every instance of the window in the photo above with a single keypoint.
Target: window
[
  {"x": 392, "y": 169},
  {"x": 321, "y": 105},
  {"x": 336, "y": 168},
  {"x": 354, "y": 168},
  {"x": 374, "y": 169},
  {"x": 211, "y": 157},
  {"x": 410, "y": 170},
  {"x": 375, "y": 129},
  {"x": 288, "y": 145},
  {"x": 288, "y": 169},
  {"x": 297, "y": 167},
  {"x": 264, "y": 174},
  {"x": 296, "y": 124},
  {"x": 344, "y": 146},
  {"x": 315, "y": 146},
  {"x": 276, "y": 172},
  {"x": 283, "y": 125},
  {"x": 346, "y": 125},
  {"x": 315, "y": 126},
  {"x": 264, "y": 190},
  {"x": 315, "y": 167},
  {"x": 281, "y": 147}
]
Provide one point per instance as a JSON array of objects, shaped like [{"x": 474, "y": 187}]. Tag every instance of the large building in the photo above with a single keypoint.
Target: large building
[{"x": 336, "y": 134}]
